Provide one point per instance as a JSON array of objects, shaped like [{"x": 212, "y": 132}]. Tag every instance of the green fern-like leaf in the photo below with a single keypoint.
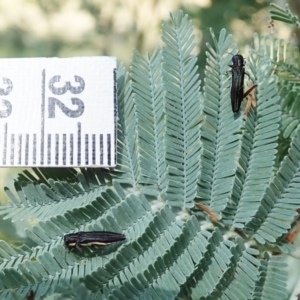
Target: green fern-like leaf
[
  {"x": 127, "y": 170},
  {"x": 285, "y": 58},
  {"x": 220, "y": 131},
  {"x": 258, "y": 151},
  {"x": 182, "y": 105},
  {"x": 38, "y": 200},
  {"x": 281, "y": 197},
  {"x": 271, "y": 278},
  {"x": 283, "y": 15},
  {"x": 147, "y": 86}
]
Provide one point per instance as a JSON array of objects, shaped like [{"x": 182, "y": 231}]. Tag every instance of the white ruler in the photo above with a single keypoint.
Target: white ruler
[{"x": 58, "y": 112}]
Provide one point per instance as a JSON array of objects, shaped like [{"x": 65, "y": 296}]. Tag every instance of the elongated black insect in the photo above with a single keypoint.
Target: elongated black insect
[
  {"x": 92, "y": 238},
  {"x": 237, "y": 85}
]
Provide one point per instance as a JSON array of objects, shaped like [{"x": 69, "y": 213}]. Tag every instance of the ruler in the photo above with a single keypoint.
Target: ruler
[{"x": 58, "y": 112}]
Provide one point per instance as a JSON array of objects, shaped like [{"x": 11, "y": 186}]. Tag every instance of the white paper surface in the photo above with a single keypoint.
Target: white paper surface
[{"x": 39, "y": 123}]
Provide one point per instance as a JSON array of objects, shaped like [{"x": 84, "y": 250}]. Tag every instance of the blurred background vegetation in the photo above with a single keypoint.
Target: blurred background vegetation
[
  {"x": 64, "y": 28},
  {"x": 30, "y": 28}
]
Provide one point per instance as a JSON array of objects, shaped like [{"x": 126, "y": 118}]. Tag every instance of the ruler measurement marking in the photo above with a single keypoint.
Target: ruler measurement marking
[
  {"x": 26, "y": 149},
  {"x": 5, "y": 144},
  {"x": 12, "y": 149},
  {"x": 108, "y": 150},
  {"x": 93, "y": 149},
  {"x": 86, "y": 149},
  {"x": 79, "y": 143},
  {"x": 49, "y": 149},
  {"x": 71, "y": 148},
  {"x": 56, "y": 149},
  {"x": 101, "y": 149},
  {"x": 43, "y": 116},
  {"x": 34, "y": 149},
  {"x": 64, "y": 149},
  {"x": 20, "y": 149}
]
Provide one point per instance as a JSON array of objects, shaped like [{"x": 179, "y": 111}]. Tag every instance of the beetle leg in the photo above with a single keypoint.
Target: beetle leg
[{"x": 78, "y": 246}]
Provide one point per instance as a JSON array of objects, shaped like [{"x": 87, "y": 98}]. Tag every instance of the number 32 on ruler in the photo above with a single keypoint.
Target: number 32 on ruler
[
  {"x": 62, "y": 90},
  {"x": 52, "y": 101}
]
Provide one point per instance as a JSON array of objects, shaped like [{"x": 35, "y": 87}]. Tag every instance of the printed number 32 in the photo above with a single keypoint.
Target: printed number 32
[
  {"x": 8, "y": 107},
  {"x": 62, "y": 90}
]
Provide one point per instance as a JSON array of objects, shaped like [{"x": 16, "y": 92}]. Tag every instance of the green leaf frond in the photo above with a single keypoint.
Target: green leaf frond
[
  {"x": 281, "y": 199},
  {"x": 127, "y": 169},
  {"x": 290, "y": 106},
  {"x": 284, "y": 56},
  {"x": 75, "y": 291},
  {"x": 259, "y": 143},
  {"x": 283, "y": 15},
  {"x": 183, "y": 110},
  {"x": 154, "y": 258},
  {"x": 46, "y": 200},
  {"x": 226, "y": 269},
  {"x": 147, "y": 87},
  {"x": 272, "y": 279},
  {"x": 42, "y": 175},
  {"x": 51, "y": 262},
  {"x": 190, "y": 254},
  {"x": 220, "y": 133},
  {"x": 110, "y": 203},
  {"x": 286, "y": 60}
]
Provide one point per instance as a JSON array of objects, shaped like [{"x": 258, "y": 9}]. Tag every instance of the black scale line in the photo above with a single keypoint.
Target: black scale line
[
  {"x": 20, "y": 149},
  {"x": 56, "y": 148},
  {"x": 26, "y": 149},
  {"x": 34, "y": 149},
  {"x": 5, "y": 144},
  {"x": 101, "y": 149},
  {"x": 49, "y": 149},
  {"x": 71, "y": 148},
  {"x": 64, "y": 149},
  {"x": 79, "y": 143},
  {"x": 86, "y": 149},
  {"x": 108, "y": 149},
  {"x": 93, "y": 149},
  {"x": 12, "y": 149}
]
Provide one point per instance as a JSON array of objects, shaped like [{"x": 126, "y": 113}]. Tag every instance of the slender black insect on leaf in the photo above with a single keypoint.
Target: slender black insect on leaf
[
  {"x": 237, "y": 85},
  {"x": 92, "y": 238}
]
